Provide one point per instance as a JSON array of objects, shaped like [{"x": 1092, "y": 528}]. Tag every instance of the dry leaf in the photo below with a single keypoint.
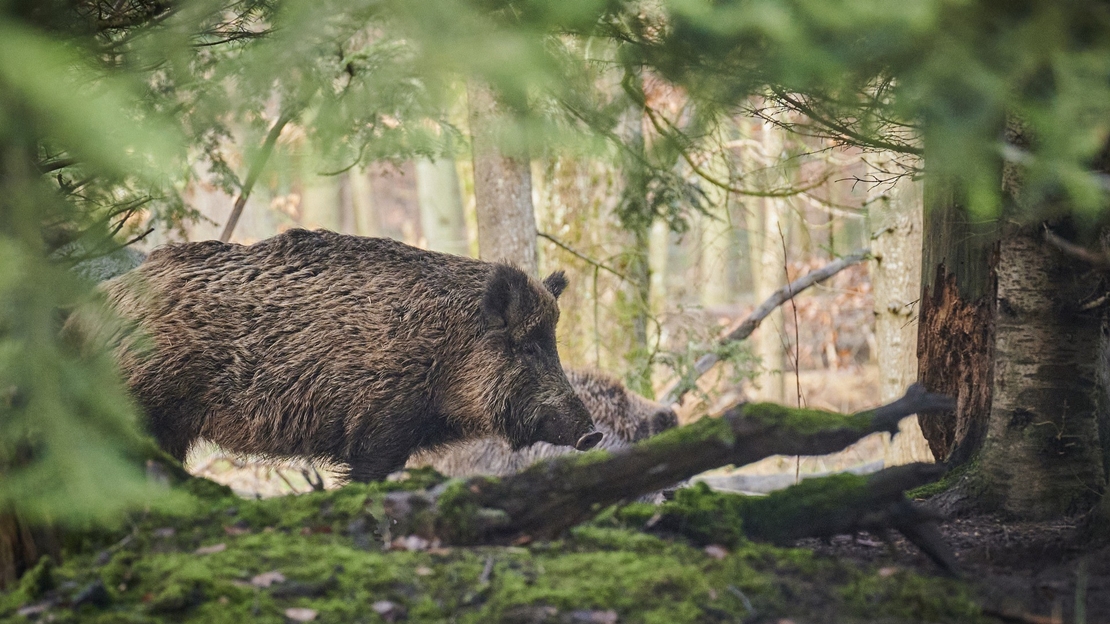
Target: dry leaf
[
  {"x": 300, "y": 614},
  {"x": 211, "y": 550},
  {"x": 267, "y": 579}
]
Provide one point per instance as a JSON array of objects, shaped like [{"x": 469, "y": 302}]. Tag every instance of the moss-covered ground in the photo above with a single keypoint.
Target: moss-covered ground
[{"x": 226, "y": 559}]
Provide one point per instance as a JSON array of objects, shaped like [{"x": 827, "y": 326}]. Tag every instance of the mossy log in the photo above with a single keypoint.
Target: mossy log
[
  {"x": 820, "y": 507},
  {"x": 552, "y": 496}
]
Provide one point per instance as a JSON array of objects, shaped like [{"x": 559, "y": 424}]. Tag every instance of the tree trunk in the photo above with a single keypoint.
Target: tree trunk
[
  {"x": 768, "y": 274},
  {"x": 441, "y": 207},
  {"x": 636, "y": 218},
  {"x": 394, "y": 194},
  {"x": 367, "y": 222},
  {"x": 956, "y": 322},
  {"x": 345, "y": 205},
  {"x": 896, "y": 284},
  {"x": 718, "y": 257},
  {"x": 1041, "y": 457},
  {"x": 502, "y": 188},
  {"x": 1001, "y": 328},
  {"x": 548, "y": 498}
]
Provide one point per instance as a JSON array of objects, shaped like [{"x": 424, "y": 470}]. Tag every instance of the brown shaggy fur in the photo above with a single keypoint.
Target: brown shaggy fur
[
  {"x": 342, "y": 348},
  {"x": 624, "y": 416}
]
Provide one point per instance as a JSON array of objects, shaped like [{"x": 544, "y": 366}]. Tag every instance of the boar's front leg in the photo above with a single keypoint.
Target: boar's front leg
[
  {"x": 367, "y": 468},
  {"x": 385, "y": 450}
]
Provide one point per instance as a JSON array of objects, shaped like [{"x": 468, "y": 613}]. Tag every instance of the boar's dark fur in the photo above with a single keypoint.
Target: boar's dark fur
[
  {"x": 351, "y": 350},
  {"x": 624, "y": 416}
]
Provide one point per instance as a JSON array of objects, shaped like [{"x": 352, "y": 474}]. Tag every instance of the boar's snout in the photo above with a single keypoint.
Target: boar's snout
[
  {"x": 589, "y": 441},
  {"x": 568, "y": 423}
]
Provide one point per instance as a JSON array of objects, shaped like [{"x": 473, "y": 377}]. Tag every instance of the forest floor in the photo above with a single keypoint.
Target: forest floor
[
  {"x": 1022, "y": 572},
  {"x": 327, "y": 557}
]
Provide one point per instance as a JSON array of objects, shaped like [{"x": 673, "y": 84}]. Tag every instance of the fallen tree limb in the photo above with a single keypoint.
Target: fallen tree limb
[
  {"x": 674, "y": 392},
  {"x": 552, "y": 496},
  {"x": 822, "y": 507}
]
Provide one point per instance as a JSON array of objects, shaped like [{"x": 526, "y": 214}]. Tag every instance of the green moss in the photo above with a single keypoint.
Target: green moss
[
  {"x": 966, "y": 476},
  {"x": 704, "y": 429},
  {"x": 910, "y": 597},
  {"x": 34, "y": 583},
  {"x": 769, "y": 517},
  {"x": 805, "y": 421},
  {"x": 705, "y": 516},
  {"x": 332, "y": 563}
]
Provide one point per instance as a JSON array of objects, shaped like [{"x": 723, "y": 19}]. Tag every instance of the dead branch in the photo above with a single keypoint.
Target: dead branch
[
  {"x": 1098, "y": 260},
  {"x": 674, "y": 392},
  {"x": 552, "y": 496}
]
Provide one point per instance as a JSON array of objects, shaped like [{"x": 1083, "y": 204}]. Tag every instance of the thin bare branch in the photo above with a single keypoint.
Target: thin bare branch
[
  {"x": 588, "y": 260},
  {"x": 674, "y": 392},
  {"x": 1093, "y": 258}
]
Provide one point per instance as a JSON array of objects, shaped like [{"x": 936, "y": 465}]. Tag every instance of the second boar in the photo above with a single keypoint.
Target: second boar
[{"x": 622, "y": 415}]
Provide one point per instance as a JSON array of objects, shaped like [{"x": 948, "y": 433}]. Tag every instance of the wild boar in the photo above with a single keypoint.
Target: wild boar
[
  {"x": 622, "y": 415},
  {"x": 351, "y": 350}
]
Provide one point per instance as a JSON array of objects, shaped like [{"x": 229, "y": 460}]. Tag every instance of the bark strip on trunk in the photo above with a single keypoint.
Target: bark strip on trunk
[{"x": 956, "y": 322}]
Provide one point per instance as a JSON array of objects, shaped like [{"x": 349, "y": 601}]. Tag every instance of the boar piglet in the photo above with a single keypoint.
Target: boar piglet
[
  {"x": 624, "y": 416},
  {"x": 356, "y": 351}
]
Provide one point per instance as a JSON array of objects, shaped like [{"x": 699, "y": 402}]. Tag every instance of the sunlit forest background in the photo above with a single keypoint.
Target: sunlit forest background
[
  {"x": 682, "y": 161},
  {"x": 792, "y": 205}
]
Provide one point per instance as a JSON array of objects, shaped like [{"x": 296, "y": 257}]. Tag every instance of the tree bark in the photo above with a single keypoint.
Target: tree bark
[
  {"x": 956, "y": 322},
  {"x": 768, "y": 272},
  {"x": 502, "y": 188},
  {"x": 896, "y": 284},
  {"x": 1003, "y": 329},
  {"x": 441, "y": 207},
  {"x": 1041, "y": 457}
]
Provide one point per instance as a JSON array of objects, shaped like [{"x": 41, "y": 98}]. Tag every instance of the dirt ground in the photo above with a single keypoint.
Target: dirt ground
[{"x": 1022, "y": 572}]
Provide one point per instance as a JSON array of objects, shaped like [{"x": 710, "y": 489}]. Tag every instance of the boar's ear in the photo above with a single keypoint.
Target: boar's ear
[
  {"x": 503, "y": 301},
  {"x": 556, "y": 283}
]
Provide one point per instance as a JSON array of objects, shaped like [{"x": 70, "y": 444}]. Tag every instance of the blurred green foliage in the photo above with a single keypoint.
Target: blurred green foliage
[{"x": 109, "y": 109}]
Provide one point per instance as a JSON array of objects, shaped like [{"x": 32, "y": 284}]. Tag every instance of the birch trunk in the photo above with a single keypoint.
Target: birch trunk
[
  {"x": 895, "y": 281},
  {"x": 441, "y": 207},
  {"x": 768, "y": 274}
]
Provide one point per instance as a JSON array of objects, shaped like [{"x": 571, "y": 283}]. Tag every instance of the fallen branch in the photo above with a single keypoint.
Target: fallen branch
[
  {"x": 552, "y": 496},
  {"x": 823, "y": 507},
  {"x": 674, "y": 392}
]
